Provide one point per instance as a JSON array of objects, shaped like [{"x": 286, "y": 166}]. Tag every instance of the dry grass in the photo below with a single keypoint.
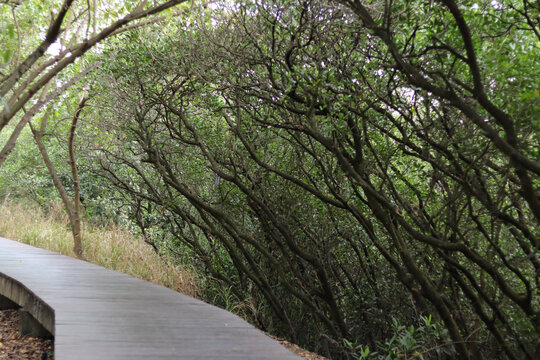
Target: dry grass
[{"x": 111, "y": 247}]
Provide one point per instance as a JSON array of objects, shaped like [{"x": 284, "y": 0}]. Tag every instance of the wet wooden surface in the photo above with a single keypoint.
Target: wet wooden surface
[{"x": 102, "y": 314}]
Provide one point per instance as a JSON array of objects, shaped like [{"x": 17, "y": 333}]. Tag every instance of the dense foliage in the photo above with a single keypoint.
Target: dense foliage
[{"x": 359, "y": 177}]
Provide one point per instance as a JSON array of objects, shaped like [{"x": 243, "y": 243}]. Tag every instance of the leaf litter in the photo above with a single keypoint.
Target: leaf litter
[{"x": 14, "y": 346}]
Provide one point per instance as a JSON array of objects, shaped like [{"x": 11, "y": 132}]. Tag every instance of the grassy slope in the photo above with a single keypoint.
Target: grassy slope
[{"x": 111, "y": 247}]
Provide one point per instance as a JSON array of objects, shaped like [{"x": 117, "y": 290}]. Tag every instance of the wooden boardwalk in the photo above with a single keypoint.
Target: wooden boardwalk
[{"x": 99, "y": 314}]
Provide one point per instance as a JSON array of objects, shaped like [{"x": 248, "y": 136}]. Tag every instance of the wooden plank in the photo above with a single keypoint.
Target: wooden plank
[{"x": 102, "y": 314}]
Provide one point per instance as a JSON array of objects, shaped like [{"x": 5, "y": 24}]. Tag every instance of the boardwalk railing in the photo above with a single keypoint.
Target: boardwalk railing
[{"x": 95, "y": 313}]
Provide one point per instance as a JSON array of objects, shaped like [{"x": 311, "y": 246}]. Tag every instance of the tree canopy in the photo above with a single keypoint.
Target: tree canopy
[{"x": 359, "y": 177}]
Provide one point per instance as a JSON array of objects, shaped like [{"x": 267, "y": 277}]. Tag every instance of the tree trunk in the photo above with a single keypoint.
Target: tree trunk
[
  {"x": 76, "y": 223},
  {"x": 72, "y": 210}
]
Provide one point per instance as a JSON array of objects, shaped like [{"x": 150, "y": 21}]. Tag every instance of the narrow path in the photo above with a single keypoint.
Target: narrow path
[{"x": 102, "y": 314}]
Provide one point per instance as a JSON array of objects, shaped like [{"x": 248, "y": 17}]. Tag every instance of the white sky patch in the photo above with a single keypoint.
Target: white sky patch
[
  {"x": 54, "y": 49},
  {"x": 497, "y": 5}
]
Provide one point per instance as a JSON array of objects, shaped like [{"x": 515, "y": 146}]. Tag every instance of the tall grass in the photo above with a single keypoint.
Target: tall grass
[{"x": 111, "y": 246}]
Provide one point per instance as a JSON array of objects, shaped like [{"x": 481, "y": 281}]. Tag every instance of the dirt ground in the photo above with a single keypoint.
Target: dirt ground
[
  {"x": 303, "y": 353},
  {"x": 13, "y": 346}
]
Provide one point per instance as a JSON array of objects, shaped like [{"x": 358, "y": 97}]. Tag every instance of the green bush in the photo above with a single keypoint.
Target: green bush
[{"x": 429, "y": 340}]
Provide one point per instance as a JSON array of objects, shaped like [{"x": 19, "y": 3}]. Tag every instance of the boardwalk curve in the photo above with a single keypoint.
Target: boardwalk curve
[{"x": 102, "y": 314}]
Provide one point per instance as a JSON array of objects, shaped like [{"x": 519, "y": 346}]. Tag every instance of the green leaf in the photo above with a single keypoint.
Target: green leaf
[
  {"x": 365, "y": 352},
  {"x": 6, "y": 55},
  {"x": 11, "y": 31}
]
